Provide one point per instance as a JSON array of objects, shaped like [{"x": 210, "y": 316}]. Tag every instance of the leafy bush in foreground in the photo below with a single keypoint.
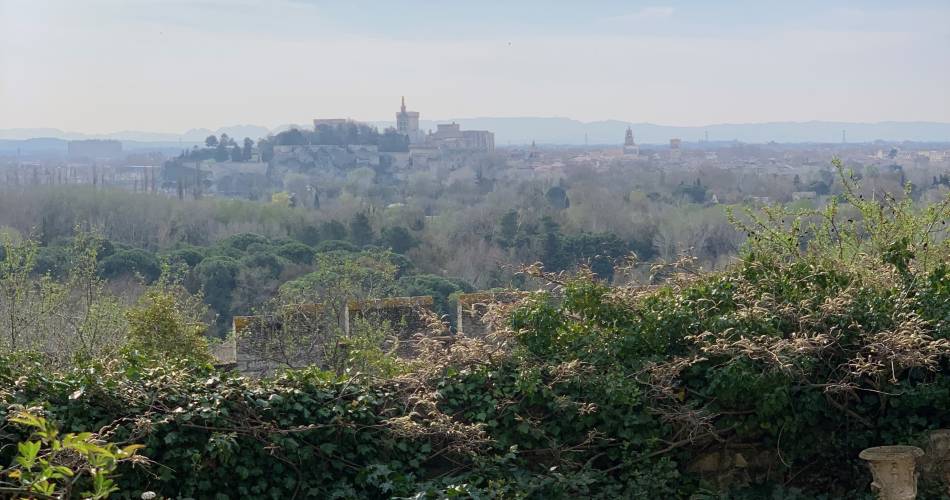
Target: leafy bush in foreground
[{"x": 40, "y": 467}]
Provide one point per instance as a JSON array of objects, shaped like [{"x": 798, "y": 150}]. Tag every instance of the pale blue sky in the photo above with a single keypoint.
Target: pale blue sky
[{"x": 169, "y": 65}]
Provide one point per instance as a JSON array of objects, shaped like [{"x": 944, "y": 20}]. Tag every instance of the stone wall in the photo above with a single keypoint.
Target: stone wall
[
  {"x": 404, "y": 315},
  {"x": 309, "y": 334},
  {"x": 473, "y": 306},
  {"x": 303, "y": 335},
  {"x": 294, "y": 337},
  {"x": 225, "y": 353}
]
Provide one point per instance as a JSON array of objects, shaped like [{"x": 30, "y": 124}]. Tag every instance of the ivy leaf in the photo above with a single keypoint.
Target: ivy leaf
[{"x": 28, "y": 451}]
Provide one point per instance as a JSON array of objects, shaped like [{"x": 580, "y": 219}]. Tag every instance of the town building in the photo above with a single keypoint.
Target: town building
[
  {"x": 407, "y": 123},
  {"x": 481, "y": 140},
  {"x": 447, "y": 136},
  {"x": 675, "y": 149},
  {"x": 630, "y": 147},
  {"x": 804, "y": 195},
  {"x": 451, "y": 137}
]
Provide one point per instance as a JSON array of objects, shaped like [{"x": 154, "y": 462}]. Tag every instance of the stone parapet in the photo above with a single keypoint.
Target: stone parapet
[{"x": 473, "y": 306}]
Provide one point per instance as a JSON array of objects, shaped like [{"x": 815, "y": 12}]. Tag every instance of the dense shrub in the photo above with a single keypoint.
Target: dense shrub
[
  {"x": 166, "y": 324},
  {"x": 335, "y": 245},
  {"x": 53, "y": 261},
  {"x": 296, "y": 252},
  {"x": 243, "y": 240},
  {"x": 264, "y": 260},
  {"x": 130, "y": 262},
  {"x": 218, "y": 277},
  {"x": 398, "y": 238},
  {"x": 439, "y": 288},
  {"x": 191, "y": 256}
]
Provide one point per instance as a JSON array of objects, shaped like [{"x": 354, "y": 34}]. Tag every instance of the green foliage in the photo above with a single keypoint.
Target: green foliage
[
  {"x": 695, "y": 192},
  {"x": 243, "y": 240},
  {"x": 339, "y": 135},
  {"x": 559, "y": 251},
  {"x": 73, "y": 316},
  {"x": 218, "y": 279},
  {"x": 271, "y": 263},
  {"x": 296, "y": 252},
  {"x": 599, "y": 251},
  {"x": 366, "y": 352},
  {"x": 131, "y": 262},
  {"x": 440, "y": 289},
  {"x": 828, "y": 337},
  {"x": 398, "y": 239},
  {"x": 38, "y": 471},
  {"x": 333, "y": 230},
  {"x": 17, "y": 293},
  {"x": 392, "y": 141},
  {"x": 891, "y": 230},
  {"x": 336, "y": 246},
  {"x": 557, "y": 198},
  {"x": 309, "y": 235},
  {"x": 188, "y": 255},
  {"x": 361, "y": 233},
  {"x": 342, "y": 276},
  {"x": 218, "y": 274},
  {"x": 508, "y": 228},
  {"x": 166, "y": 324},
  {"x": 53, "y": 261}
]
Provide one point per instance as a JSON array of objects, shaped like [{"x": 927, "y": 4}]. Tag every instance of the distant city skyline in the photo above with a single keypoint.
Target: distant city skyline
[
  {"x": 564, "y": 131},
  {"x": 109, "y": 65}
]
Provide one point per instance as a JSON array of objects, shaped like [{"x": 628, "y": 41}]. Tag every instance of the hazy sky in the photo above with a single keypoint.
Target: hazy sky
[{"x": 170, "y": 65}]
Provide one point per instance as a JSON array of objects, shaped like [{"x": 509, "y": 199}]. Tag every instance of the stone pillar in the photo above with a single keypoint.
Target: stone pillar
[
  {"x": 938, "y": 456},
  {"x": 894, "y": 471}
]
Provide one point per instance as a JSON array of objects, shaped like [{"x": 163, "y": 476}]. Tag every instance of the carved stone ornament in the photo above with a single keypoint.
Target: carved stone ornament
[{"x": 894, "y": 471}]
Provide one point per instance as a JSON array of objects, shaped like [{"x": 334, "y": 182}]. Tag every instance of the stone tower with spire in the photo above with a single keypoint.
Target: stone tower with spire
[
  {"x": 630, "y": 147},
  {"x": 407, "y": 123}
]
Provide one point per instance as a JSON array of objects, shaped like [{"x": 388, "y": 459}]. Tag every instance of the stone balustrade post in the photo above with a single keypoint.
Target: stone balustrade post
[{"x": 894, "y": 471}]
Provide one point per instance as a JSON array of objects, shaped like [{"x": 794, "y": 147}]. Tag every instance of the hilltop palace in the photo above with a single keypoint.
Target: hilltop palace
[{"x": 447, "y": 136}]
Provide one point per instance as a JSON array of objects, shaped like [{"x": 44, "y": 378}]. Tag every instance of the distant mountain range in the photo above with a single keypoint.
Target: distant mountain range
[
  {"x": 566, "y": 131},
  {"x": 190, "y": 136}
]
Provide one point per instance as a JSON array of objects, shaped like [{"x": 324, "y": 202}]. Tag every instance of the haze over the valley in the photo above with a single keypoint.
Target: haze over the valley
[
  {"x": 105, "y": 66},
  {"x": 564, "y": 131}
]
